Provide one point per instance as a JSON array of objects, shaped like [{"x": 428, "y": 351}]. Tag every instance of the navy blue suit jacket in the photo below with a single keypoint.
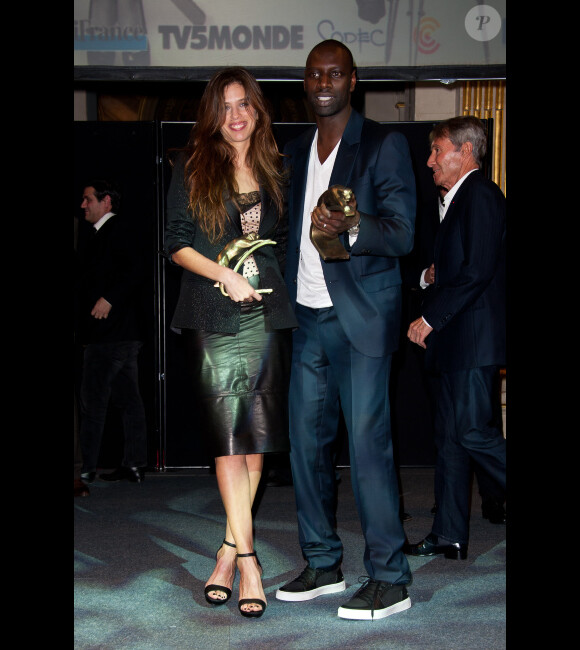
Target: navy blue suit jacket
[
  {"x": 366, "y": 289},
  {"x": 467, "y": 304}
]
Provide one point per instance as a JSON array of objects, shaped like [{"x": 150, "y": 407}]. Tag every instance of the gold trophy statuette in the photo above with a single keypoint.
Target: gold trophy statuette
[
  {"x": 335, "y": 198},
  {"x": 242, "y": 248}
]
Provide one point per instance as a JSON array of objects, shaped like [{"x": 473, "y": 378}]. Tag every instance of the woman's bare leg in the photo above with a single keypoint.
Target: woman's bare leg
[{"x": 238, "y": 478}]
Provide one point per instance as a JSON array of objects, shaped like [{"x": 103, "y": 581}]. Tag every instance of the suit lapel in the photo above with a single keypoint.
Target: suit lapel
[
  {"x": 346, "y": 156},
  {"x": 268, "y": 215},
  {"x": 234, "y": 216},
  {"x": 453, "y": 210},
  {"x": 347, "y": 151},
  {"x": 299, "y": 175}
]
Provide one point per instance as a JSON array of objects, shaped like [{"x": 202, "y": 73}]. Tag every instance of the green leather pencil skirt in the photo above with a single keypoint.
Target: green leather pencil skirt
[{"x": 243, "y": 382}]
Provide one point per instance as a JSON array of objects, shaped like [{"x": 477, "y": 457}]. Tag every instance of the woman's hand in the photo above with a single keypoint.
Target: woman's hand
[
  {"x": 235, "y": 285},
  {"x": 238, "y": 288}
]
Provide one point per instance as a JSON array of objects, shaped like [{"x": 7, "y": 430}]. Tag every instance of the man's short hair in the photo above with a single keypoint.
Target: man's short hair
[
  {"x": 105, "y": 187},
  {"x": 462, "y": 129}
]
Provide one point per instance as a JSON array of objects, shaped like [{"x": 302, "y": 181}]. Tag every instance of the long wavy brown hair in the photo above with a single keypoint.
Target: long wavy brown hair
[{"x": 209, "y": 168}]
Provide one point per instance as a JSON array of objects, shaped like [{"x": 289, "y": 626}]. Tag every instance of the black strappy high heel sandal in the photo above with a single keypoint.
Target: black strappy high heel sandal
[
  {"x": 251, "y": 601},
  {"x": 226, "y": 590}
]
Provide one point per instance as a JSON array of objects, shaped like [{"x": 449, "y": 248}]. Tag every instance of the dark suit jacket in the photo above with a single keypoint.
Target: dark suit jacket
[
  {"x": 201, "y": 305},
  {"x": 366, "y": 289},
  {"x": 112, "y": 265},
  {"x": 467, "y": 304}
]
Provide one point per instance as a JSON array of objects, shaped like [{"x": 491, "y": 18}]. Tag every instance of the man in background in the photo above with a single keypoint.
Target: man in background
[
  {"x": 110, "y": 277},
  {"x": 462, "y": 329}
]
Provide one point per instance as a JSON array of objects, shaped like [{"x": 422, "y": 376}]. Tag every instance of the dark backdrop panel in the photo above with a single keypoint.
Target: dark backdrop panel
[
  {"x": 135, "y": 154},
  {"x": 183, "y": 436},
  {"x": 411, "y": 414},
  {"x": 184, "y": 444},
  {"x": 411, "y": 407},
  {"x": 125, "y": 152},
  {"x": 412, "y": 389}
]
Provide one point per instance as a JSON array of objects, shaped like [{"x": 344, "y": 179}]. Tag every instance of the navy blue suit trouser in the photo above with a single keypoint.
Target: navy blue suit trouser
[
  {"x": 327, "y": 374},
  {"x": 468, "y": 425}
]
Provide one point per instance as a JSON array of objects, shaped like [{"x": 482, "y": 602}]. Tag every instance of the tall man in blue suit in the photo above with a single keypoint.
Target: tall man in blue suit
[
  {"x": 349, "y": 316},
  {"x": 463, "y": 329}
]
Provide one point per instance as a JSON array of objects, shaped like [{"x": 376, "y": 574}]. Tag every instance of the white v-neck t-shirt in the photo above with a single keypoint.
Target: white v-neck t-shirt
[{"x": 312, "y": 291}]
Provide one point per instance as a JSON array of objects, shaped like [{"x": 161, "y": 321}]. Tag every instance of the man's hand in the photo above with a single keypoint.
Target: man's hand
[
  {"x": 429, "y": 276},
  {"x": 101, "y": 309},
  {"x": 335, "y": 222},
  {"x": 419, "y": 331}
]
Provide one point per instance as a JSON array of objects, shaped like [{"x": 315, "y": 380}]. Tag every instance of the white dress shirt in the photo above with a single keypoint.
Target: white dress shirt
[
  {"x": 101, "y": 221},
  {"x": 443, "y": 207}
]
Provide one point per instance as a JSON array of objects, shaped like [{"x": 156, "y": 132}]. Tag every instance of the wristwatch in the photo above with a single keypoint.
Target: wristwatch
[{"x": 355, "y": 229}]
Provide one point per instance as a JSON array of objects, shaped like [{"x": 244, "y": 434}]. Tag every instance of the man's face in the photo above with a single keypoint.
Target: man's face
[
  {"x": 446, "y": 162},
  {"x": 328, "y": 81},
  {"x": 94, "y": 209}
]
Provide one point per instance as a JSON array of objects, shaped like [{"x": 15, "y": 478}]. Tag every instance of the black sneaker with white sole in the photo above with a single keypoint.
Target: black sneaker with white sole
[
  {"x": 374, "y": 600},
  {"x": 312, "y": 583}
]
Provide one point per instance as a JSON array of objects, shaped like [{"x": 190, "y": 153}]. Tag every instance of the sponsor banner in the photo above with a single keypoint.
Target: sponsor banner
[{"x": 280, "y": 33}]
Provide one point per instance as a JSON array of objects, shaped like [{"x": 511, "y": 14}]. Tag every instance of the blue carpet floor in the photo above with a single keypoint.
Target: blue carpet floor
[{"x": 144, "y": 552}]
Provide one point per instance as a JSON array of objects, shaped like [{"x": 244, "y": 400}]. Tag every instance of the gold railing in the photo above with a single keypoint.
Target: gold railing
[{"x": 486, "y": 99}]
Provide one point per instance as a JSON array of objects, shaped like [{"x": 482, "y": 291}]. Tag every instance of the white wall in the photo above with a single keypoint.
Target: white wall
[
  {"x": 80, "y": 106},
  {"x": 437, "y": 101}
]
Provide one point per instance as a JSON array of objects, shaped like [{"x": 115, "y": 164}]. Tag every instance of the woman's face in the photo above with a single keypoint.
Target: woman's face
[{"x": 240, "y": 118}]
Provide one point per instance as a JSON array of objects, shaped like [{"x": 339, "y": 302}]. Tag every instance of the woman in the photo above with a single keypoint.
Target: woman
[{"x": 227, "y": 184}]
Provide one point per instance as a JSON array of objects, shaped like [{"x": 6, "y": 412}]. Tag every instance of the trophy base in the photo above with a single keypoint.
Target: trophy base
[{"x": 330, "y": 250}]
